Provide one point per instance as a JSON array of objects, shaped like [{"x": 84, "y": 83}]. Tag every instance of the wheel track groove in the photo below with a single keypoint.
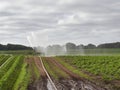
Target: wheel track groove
[{"x": 42, "y": 69}]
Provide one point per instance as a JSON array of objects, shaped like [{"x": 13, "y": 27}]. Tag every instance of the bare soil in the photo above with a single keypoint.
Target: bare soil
[
  {"x": 56, "y": 63},
  {"x": 39, "y": 66},
  {"x": 37, "y": 84},
  {"x": 75, "y": 82}
]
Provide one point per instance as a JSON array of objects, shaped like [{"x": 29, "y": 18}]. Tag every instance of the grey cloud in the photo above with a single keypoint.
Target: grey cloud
[{"x": 19, "y": 18}]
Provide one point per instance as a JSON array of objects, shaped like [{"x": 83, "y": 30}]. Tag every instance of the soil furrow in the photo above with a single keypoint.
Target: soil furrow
[
  {"x": 56, "y": 63},
  {"x": 76, "y": 82},
  {"x": 39, "y": 66},
  {"x": 36, "y": 84}
]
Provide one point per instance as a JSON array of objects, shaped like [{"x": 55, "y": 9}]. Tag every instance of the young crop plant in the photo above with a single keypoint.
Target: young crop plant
[
  {"x": 53, "y": 70},
  {"x": 73, "y": 69},
  {"x": 8, "y": 80},
  {"x": 23, "y": 79},
  {"x": 105, "y": 66},
  {"x": 3, "y": 59},
  {"x": 6, "y": 67}
]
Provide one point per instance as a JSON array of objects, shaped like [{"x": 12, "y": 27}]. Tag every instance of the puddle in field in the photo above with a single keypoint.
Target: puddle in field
[
  {"x": 65, "y": 85},
  {"x": 49, "y": 85},
  {"x": 72, "y": 89},
  {"x": 88, "y": 87},
  {"x": 76, "y": 85},
  {"x": 45, "y": 84}
]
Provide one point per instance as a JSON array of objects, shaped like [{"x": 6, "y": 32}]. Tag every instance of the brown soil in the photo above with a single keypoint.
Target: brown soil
[
  {"x": 36, "y": 84},
  {"x": 76, "y": 82},
  {"x": 109, "y": 85},
  {"x": 39, "y": 66},
  {"x": 29, "y": 60},
  {"x": 56, "y": 63},
  {"x": 40, "y": 84}
]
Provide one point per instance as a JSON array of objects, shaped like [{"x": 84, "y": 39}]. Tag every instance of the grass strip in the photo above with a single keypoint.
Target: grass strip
[
  {"x": 73, "y": 69},
  {"x": 22, "y": 80},
  {"x": 54, "y": 71},
  {"x": 6, "y": 67},
  {"x": 8, "y": 80}
]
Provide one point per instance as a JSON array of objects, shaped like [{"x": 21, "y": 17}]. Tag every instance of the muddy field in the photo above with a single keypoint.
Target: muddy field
[{"x": 73, "y": 82}]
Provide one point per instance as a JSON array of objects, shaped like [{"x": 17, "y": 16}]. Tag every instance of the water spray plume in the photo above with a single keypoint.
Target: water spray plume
[
  {"x": 28, "y": 38},
  {"x": 49, "y": 43}
]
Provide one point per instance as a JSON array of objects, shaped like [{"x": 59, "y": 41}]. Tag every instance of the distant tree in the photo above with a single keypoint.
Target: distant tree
[
  {"x": 54, "y": 50},
  {"x": 17, "y": 47},
  {"x": 81, "y": 46},
  {"x": 109, "y": 45},
  {"x": 14, "y": 47},
  {"x": 2, "y": 47},
  {"x": 90, "y": 46},
  {"x": 70, "y": 47}
]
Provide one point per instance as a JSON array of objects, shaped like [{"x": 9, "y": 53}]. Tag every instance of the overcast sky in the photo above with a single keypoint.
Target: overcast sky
[{"x": 43, "y": 22}]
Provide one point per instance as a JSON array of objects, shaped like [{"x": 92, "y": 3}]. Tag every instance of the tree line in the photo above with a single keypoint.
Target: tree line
[
  {"x": 92, "y": 46},
  {"x": 14, "y": 47},
  {"x": 68, "y": 46},
  {"x": 71, "y": 48}
]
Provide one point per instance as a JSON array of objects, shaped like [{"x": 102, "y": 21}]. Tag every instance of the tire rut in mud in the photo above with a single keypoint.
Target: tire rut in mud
[
  {"x": 37, "y": 84},
  {"x": 42, "y": 82},
  {"x": 75, "y": 82}
]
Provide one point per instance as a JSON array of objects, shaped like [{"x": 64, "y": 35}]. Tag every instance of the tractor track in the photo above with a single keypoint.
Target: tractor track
[
  {"x": 76, "y": 82},
  {"x": 71, "y": 74},
  {"x": 43, "y": 72}
]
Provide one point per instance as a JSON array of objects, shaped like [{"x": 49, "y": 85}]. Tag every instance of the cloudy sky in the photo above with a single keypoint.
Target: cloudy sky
[{"x": 43, "y": 22}]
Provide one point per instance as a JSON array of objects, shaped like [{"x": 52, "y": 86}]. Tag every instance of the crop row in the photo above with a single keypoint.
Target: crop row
[
  {"x": 3, "y": 58},
  {"x": 13, "y": 73},
  {"x": 106, "y": 66}
]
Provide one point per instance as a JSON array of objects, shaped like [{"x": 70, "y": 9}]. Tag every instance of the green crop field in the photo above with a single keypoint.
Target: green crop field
[
  {"x": 17, "y": 72},
  {"x": 108, "y": 67},
  {"x": 12, "y": 72},
  {"x": 103, "y": 69}
]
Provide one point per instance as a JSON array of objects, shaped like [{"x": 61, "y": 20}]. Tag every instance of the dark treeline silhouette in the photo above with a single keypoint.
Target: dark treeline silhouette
[
  {"x": 69, "y": 46},
  {"x": 109, "y": 45},
  {"x": 72, "y": 48},
  {"x": 14, "y": 47},
  {"x": 92, "y": 46}
]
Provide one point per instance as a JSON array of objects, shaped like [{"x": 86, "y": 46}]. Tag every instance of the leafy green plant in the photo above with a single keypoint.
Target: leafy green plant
[
  {"x": 10, "y": 77},
  {"x": 106, "y": 66}
]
